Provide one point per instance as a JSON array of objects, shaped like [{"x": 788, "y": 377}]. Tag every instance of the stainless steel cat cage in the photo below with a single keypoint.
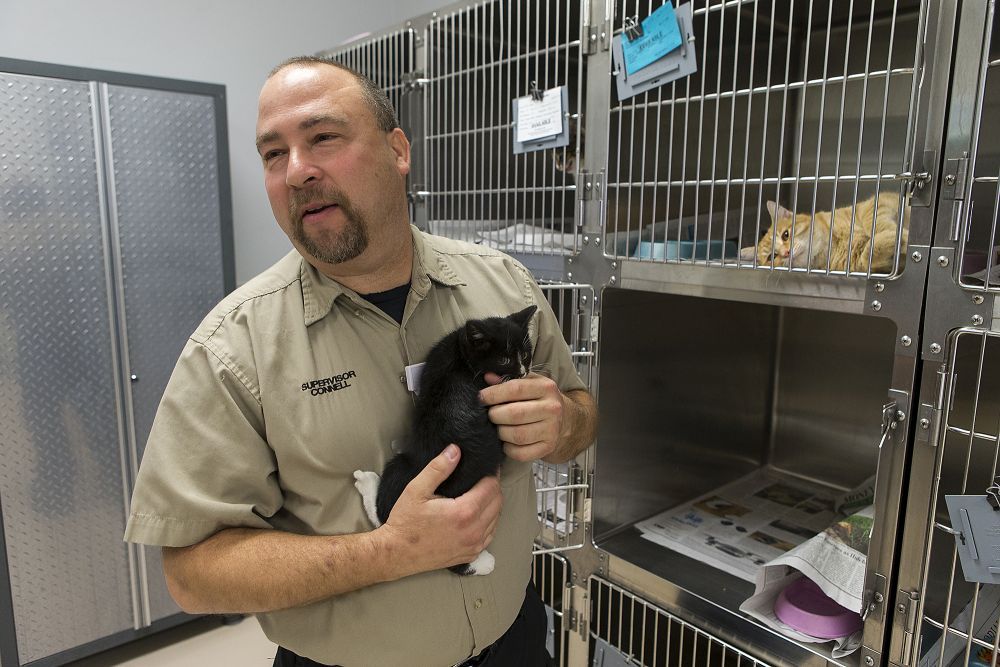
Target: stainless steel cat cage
[{"x": 710, "y": 367}]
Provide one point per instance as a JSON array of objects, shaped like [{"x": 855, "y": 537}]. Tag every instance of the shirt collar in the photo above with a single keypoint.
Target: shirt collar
[{"x": 320, "y": 292}]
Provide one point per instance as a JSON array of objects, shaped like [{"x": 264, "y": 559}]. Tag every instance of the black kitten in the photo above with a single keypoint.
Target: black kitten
[{"x": 448, "y": 411}]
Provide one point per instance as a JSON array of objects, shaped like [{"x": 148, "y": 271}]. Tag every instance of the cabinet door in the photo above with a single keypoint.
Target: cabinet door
[
  {"x": 60, "y": 452},
  {"x": 166, "y": 214}
]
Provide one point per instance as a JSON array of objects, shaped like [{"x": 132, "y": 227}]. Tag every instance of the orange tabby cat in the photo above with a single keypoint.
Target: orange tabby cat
[{"x": 881, "y": 245}]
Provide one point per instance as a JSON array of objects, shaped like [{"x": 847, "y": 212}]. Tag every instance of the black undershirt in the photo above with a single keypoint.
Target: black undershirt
[{"x": 392, "y": 302}]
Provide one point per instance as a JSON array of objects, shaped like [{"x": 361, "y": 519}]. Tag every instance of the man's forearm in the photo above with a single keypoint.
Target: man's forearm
[
  {"x": 579, "y": 426},
  {"x": 241, "y": 570}
]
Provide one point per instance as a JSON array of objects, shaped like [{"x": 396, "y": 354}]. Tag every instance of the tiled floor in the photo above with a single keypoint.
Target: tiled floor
[{"x": 204, "y": 642}]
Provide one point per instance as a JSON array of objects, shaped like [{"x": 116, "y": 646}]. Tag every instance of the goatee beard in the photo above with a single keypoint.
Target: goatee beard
[{"x": 326, "y": 245}]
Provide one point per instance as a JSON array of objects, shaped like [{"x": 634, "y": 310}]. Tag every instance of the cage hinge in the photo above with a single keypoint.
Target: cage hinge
[
  {"x": 906, "y": 610},
  {"x": 597, "y": 39},
  {"x": 929, "y": 414},
  {"x": 928, "y": 424},
  {"x": 955, "y": 173},
  {"x": 592, "y": 185},
  {"x": 595, "y": 326}
]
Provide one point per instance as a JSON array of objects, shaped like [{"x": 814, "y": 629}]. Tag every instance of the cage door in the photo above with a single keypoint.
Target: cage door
[{"x": 563, "y": 488}]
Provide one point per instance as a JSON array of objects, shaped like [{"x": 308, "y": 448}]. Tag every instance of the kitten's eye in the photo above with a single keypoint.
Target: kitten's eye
[{"x": 784, "y": 235}]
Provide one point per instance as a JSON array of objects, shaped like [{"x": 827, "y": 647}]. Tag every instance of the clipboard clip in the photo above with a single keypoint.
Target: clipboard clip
[
  {"x": 536, "y": 94},
  {"x": 633, "y": 29},
  {"x": 993, "y": 494}
]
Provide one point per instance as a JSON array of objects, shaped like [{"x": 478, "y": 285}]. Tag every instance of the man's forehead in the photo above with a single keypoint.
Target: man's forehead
[{"x": 298, "y": 85}]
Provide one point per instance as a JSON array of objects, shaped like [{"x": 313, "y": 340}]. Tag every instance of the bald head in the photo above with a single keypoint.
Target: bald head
[{"x": 374, "y": 97}]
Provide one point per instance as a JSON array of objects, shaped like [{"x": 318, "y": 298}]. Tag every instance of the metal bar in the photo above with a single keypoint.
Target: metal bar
[
  {"x": 778, "y": 87},
  {"x": 819, "y": 140},
  {"x": 798, "y": 144}
]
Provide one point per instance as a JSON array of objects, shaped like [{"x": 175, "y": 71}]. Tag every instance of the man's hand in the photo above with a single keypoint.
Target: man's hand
[
  {"x": 528, "y": 413},
  {"x": 430, "y": 532}
]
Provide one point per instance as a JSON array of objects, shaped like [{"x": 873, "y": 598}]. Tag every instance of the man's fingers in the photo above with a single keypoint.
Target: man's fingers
[{"x": 436, "y": 472}]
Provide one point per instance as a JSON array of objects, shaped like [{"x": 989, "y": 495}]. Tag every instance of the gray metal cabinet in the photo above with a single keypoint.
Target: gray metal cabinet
[{"x": 115, "y": 239}]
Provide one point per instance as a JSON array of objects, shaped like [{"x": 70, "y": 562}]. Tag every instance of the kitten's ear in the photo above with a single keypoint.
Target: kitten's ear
[
  {"x": 476, "y": 336},
  {"x": 522, "y": 317},
  {"x": 777, "y": 211}
]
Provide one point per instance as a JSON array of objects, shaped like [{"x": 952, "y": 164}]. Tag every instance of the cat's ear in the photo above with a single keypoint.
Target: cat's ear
[
  {"x": 476, "y": 336},
  {"x": 522, "y": 317},
  {"x": 777, "y": 211}
]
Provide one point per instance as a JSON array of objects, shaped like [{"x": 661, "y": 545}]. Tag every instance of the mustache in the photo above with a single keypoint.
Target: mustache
[{"x": 301, "y": 198}]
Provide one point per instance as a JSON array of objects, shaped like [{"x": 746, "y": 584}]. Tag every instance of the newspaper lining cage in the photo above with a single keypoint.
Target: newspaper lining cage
[
  {"x": 806, "y": 104},
  {"x": 480, "y": 58},
  {"x": 969, "y": 446},
  {"x": 652, "y": 637},
  {"x": 977, "y": 204},
  {"x": 560, "y": 486}
]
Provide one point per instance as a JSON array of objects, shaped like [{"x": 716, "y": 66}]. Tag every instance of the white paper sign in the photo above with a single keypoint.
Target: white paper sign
[{"x": 539, "y": 119}]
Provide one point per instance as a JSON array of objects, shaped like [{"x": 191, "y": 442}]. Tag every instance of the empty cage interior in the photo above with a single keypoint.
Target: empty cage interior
[
  {"x": 700, "y": 393},
  {"x": 807, "y": 104},
  {"x": 647, "y": 635},
  {"x": 970, "y": 444},
  {"x": 480, "y": 59},
  {"x": 980, "y": 258}
]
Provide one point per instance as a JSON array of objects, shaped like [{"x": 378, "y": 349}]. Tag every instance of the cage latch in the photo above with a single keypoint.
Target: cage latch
[
  {"x": 890, "y": 421},
  {"x": 914, "y": 181},
  {"x": 874, "y": 596}
]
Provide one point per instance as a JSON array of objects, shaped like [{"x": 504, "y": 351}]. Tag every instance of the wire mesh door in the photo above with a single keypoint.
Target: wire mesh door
[
  {"x": 388, "y": 60},
  {"x": 562, "y": 487},
  {"x": 797, "y": 109},
  {"x": 550, "y": 575},
  {"x": 977, "y": 196},
  {"x": 646, "y": 635},
  {"x": 968, "y": 453},
  {"x": 479, "y": 60}
]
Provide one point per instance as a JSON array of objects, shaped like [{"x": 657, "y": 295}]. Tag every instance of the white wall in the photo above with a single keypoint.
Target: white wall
[{"x": 230, "y": 42}]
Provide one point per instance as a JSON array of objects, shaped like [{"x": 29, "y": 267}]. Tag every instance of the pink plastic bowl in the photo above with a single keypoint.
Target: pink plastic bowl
[{"x": 803, "y": 606}]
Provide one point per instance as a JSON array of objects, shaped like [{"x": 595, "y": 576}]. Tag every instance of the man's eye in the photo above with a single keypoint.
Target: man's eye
[
  {"x": 326, "y": 137},
  {"x": 270, "y": 155}
]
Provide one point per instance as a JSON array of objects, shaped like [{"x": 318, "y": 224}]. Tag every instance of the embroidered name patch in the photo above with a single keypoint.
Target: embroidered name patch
[{"x": 330, "y": 384}]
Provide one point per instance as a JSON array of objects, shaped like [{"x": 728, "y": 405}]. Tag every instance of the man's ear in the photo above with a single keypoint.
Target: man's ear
[{"x": 401, "y": 147}]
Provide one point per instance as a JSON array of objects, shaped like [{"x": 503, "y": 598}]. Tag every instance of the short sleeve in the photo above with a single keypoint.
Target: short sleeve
[
  {"x": 207, "y": 465},
  {"x": 552, "y": 354}
]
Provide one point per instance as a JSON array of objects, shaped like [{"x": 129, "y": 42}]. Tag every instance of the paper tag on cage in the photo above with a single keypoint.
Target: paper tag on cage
[
  {"x": 537, "y": 119},
  {"x": 677, "y": 64},
  {"x": 660, "y": 36},
  {"x": 976, "y": 527},
  {"x": 413, "y": 374},
  {"x": 540, "y": 123}
]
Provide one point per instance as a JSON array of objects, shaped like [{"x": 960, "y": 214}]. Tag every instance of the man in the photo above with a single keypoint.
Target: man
[{"x": 297, "y": 379}]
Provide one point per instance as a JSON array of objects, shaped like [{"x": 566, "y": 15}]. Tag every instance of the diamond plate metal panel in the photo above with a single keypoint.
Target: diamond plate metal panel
[
  {"x": 60, "y": 470},
  {"x": 165, "y": 167}
]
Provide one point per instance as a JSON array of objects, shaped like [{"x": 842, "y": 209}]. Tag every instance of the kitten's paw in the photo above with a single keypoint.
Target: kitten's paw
[
  {"x": 366, "y": 482},
  {"x": 483, "y": 564}
]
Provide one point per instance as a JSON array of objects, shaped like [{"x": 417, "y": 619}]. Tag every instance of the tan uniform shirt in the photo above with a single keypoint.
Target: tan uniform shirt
[{"x": 291, "y": 384}]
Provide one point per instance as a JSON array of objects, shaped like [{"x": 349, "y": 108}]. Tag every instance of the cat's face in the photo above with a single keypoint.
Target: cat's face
[
  {"x": 500, "y": 345},
  {"x": 786, "y": 241}
]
